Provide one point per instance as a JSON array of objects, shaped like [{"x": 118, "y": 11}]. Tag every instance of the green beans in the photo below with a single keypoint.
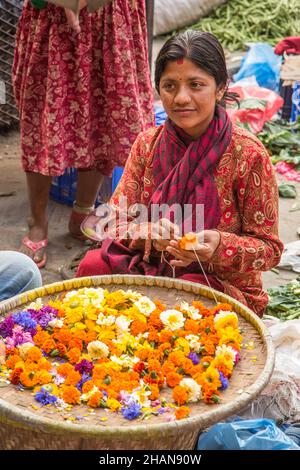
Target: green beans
[{"x": 241, "y": 21}]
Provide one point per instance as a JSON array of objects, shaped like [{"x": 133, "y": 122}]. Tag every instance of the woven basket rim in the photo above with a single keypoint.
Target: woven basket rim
[{"x": 27, "y": 419}]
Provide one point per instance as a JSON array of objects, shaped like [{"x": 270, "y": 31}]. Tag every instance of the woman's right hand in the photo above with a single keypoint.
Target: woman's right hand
[{"x": 73, "y": 18}]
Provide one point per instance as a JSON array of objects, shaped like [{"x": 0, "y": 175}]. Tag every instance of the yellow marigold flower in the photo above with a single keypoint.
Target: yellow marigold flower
[
  {"x": 183, "y": 345},
  {"x": 113, "y": 405},
  {"x": 223, "y": 319},
  {"x": 212, "y": 377},
  {"x": 73, "y": 316}
]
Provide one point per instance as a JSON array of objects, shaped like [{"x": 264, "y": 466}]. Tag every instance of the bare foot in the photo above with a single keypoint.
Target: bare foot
[{"x": 35, "y": 235}]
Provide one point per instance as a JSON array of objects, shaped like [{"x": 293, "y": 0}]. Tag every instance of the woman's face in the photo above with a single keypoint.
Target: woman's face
[{"x": 189, "y": 96}]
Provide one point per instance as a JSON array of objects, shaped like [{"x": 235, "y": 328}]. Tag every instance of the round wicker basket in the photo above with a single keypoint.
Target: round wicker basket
[{"x": 42, "y": 428}]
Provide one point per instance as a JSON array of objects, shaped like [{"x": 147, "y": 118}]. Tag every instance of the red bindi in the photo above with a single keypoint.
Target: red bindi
[{"x": 180, "y": 61}]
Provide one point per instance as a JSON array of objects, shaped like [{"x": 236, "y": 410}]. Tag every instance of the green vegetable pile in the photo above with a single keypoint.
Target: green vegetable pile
[
  {"x": 282, "y": 139},
  {"x": 238, "y": 22},
  {"x": 284, "y": 301}
]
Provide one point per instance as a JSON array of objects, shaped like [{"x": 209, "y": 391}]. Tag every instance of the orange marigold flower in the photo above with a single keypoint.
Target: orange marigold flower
[
  {"x": 74, "y": 355},
  {"x": 177, "y": 357},
  {"x": 191, "y": 326},
  {"x": 42, "y": 377},
  {"x": 95, "y": 399},
  {"x": 34, "y": 354},
  {"x": 182, "y": 412},
  {"x": 71, "y": 395},
  {"x": 219, "y": 307},
  {"x": 75, "y": 343},
  {"x": 161, "y": 307},
  {"x": 41, "y": 337},
  {"x": 27, "y": 379},
  {"x": 43, "y": 364},
  {"x": 153, "y": 335},
  {"x": 138, "y": 326},
  {"x": 173, "y": 379},
  {"x": 143, "y": 353},
  {"x": 65, "y": 369},
  {"x": 48, "y": 345},
  {"x": 204, "y": 311},
  {"x": 154, "y": 320},
  {"x": 12, "y": 361},
  {"x": 62, "y": 350},
  {"x": 91, "y": 335},
  {"x": 73, "y": 378},
  {"x": 180, "y": 395},
  {"x": 87, "y": 386},
  {"x": 154, "y": 392},
  {"x": 15, "y": 376},
  {"x": 165, "y": 336},
  {"x": 63, "y": 335}
]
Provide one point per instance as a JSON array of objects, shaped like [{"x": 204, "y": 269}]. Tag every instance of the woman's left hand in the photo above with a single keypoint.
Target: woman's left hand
[{"x": 183, "y": 258}]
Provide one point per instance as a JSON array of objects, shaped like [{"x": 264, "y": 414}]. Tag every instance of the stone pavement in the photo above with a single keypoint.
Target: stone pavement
[{"x": 62, "y": 248}]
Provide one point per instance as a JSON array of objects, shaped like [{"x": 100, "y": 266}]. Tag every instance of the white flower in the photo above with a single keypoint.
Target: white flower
[
  {"x": 36, "y": 305},
  {"x": 190, "y": 310},
  {"x": 56, "y": 323},
  {"x": 193, "y": 389},
  {"x": 105, "y": 320},
  {"x": 172, "y": 318},
  {"x": 24, "y": 348},
  {"x": 223, "y": 314},
  {"x": 145, "y": 305},
  {"x": 194, "y": 343},
  {"x": 86, "y": 296},
  {"x": 97, "y": 349},
  {"x": 226, "y": 351},
  {"x": 127, "y": 362},
  {"x": 122, "y": 323}
]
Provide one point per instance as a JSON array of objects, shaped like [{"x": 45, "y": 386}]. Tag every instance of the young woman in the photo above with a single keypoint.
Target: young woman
[
  {"x": 199, "y": 158},
  {"x": 83, "y": 88}
]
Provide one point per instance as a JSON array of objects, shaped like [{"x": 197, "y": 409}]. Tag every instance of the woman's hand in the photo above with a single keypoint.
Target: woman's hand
[
  {"x": 73, "y": 18},
  {"x": 183, "y": 258}
]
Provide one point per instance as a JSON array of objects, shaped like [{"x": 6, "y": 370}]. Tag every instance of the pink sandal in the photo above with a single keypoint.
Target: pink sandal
[{"x": 34, "y": 247}]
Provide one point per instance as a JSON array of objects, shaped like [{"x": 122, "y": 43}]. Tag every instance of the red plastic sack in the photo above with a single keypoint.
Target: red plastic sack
[{"x": 257, "y": 105}]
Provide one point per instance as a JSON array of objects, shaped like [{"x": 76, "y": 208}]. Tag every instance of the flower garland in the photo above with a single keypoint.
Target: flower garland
[{"x": 120, "y": 351}]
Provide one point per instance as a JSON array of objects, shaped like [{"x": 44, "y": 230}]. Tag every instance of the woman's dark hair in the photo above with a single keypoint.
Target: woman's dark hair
[{"x": 204, "y": 50}]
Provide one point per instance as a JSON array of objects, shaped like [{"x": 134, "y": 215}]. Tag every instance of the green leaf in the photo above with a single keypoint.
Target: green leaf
[{"x": 287, "y": 190}]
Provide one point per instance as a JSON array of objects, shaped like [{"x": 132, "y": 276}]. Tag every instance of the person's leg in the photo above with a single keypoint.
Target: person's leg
[
  {"x": 93, "y": 265},
  {"x": 18, "y": 273},
  {"x": 88, "y": 186},
  {"x": 38, "y": 192}
]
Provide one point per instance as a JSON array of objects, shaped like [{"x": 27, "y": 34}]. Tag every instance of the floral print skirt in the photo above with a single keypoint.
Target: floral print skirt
[{"x": 83, "y": 98}]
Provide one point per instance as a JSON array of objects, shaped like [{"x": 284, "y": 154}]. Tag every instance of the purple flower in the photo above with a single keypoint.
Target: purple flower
[
  {"x": 194, "y": 358},
  {"x": 85, "y": 377},
  {"x": 133, "y": 411},
  {"x": 84, "y": 366},
  {"x": 25, "y": 319},
  {"x": 224, "y": 381},
  {"x": 45, "y": 398},
  {"x": 44, "y": 315},
  {"x": 6, "y": 327}
]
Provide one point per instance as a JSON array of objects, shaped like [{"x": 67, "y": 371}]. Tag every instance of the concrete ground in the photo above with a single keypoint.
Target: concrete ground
[{"x": 62, "y": 248}]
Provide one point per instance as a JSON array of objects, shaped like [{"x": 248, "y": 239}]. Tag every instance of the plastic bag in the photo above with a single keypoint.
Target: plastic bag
[
  {"x": 257, "y": 105},
  {"x": 263, "y": 63},
  {"x": 255, "y": 434}
]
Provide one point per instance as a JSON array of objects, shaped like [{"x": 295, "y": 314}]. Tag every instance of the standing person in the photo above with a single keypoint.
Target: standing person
[
  {"x": 84, "y": 93},
  {"x": 18, "y": 273},
  {"x": 200, "y": 159}
]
